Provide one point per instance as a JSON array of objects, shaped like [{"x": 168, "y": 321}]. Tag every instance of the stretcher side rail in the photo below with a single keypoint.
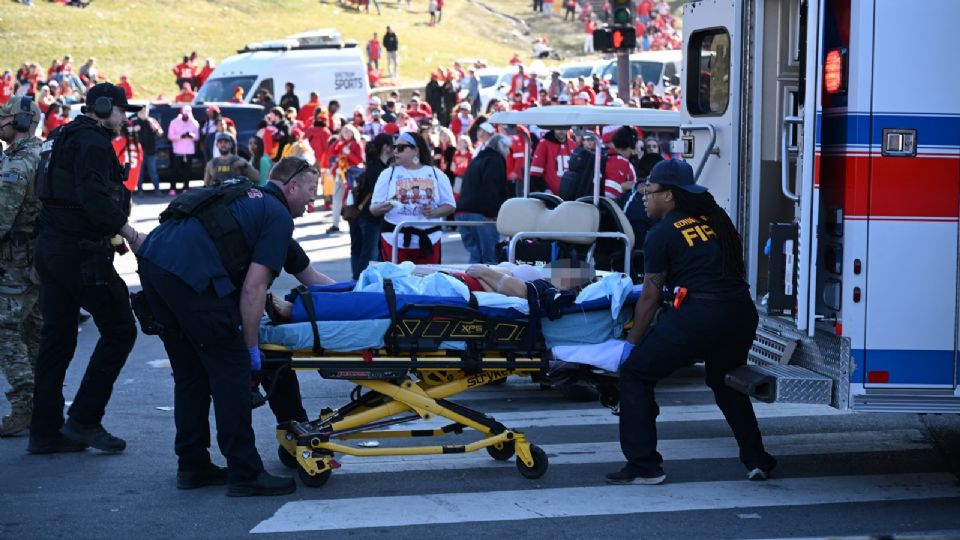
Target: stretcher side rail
[{"x": 628, "y": 245}]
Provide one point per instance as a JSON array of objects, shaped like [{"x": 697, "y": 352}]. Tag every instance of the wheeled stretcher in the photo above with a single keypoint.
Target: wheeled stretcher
[{"x": 407, "y": 356}]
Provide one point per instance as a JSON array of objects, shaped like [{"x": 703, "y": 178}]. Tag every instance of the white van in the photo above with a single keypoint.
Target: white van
[
  {"x": 315, "y": 61},
  {"x": 654, "y": 66}
]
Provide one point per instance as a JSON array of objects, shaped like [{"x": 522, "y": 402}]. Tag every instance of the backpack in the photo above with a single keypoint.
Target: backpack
[
  {"x": 209, "y": 206},
  {"x": 578, "y": 180}
]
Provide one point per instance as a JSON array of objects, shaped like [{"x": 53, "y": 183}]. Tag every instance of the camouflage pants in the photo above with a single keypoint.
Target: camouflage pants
[{"x": 20, "y": 325}]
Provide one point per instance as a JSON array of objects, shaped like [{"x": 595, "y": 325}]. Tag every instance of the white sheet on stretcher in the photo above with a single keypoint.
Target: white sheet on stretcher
[{"x": 604, "y": 355}]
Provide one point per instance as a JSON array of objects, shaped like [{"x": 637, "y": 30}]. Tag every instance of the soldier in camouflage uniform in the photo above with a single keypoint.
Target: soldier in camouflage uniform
[{"x": 20, "y": 321}]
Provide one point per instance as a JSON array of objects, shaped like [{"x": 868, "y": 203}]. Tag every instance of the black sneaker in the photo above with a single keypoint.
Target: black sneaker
[
  {"x": 210, "y": 476},
  {"x": 56, "y": 445},
  {"x": 95, "y": 436},
  {"x": 265, "y": 484},
  {"x": 333, "y": 229},
  {"x": 628, "y": 475}
]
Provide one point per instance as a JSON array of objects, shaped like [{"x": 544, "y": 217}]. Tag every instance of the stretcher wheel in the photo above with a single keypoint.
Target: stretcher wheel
[
  {"x": 540, "y": 464},
  {"x": 288, "y": 460},
  {"x": 313, "y": 481},
  {"x": 505, "y": 452}
]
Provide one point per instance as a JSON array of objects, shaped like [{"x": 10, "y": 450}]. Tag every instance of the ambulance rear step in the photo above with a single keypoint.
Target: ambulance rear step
[{"x": 770, "y": 378}]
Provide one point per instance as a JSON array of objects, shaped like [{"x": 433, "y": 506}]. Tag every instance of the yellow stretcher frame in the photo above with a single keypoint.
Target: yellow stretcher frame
[{"x": 310, "y": 446}]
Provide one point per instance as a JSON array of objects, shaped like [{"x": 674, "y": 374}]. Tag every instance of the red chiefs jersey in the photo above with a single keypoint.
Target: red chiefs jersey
[
  {"x": 515, "y": 159},
  {"x": 617, "y": 171},
  {"x": 551, "y": 160}
]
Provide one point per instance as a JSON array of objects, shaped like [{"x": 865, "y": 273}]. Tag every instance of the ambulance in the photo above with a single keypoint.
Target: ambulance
[{"x": 831, "y": 134}]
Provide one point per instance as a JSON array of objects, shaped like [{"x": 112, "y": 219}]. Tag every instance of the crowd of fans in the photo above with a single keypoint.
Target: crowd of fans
[{"x": 56, "y": 88}]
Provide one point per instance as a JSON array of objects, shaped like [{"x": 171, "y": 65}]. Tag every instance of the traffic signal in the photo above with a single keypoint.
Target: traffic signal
[
  {"x": 623, "y": 12},
  {"x": 614, "y": 39},
  {"x": 624, "y": 39}
]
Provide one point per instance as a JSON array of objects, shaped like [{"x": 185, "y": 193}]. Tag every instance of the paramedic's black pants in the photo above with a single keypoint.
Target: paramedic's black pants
[
  {"x": 284, "y": 390},
  {"x": 719, "y": 334},
  {"x": 204, "y": 341},
  {"x": 73, "y": 278}
]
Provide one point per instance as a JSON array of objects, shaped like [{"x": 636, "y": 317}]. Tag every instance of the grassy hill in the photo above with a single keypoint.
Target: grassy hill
[{"x": 145, "y": 38}]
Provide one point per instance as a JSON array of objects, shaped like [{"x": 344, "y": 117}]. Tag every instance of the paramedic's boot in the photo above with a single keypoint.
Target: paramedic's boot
[
  {"x": 93, "y": 436},
  {"x": 631, "y": 475},
  {"x": 17, "y": 421},
  {"x": 264, "y": 484},
  {"x": 762, "y": 472},
  {"x": 55, "y": 445},
  {"x": 211, "y": 475}
]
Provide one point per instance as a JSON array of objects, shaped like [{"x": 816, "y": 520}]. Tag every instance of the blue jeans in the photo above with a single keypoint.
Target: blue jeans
[
  {"x": 364, "y": 244},
  {"x": 480, "y": 242},
  {"x": 150, "y": 170}
]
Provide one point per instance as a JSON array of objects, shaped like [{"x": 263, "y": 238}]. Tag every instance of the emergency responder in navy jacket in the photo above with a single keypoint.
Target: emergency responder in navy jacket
[
  {"x": 695, "y": 251},
  {"x": 211, "y": 320},
  {"x": 85, "y": 204}
]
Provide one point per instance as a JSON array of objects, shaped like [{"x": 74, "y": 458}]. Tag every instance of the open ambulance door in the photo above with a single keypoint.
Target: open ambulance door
[{"x": 745, "y": 81}]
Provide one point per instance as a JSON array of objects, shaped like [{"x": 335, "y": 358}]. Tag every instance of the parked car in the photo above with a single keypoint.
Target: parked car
[
  {"x": 654, "y": 66},
  {"x": 246, "y": 117}
]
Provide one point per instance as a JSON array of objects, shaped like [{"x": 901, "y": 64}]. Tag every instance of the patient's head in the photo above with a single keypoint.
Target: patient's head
[{"x": 571, "y": 273}]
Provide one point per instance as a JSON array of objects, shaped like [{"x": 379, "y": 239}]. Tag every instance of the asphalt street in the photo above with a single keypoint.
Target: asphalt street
[{"x": 839, "y": 474}]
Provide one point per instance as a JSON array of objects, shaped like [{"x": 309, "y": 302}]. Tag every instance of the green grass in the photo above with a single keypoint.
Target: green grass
[{"x": 145, "y": 38}]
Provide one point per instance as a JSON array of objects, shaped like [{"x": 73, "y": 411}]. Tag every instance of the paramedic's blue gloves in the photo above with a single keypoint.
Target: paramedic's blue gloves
[
  {"x": 627, "y": 349},
  {"x": 254, "y": 357}
]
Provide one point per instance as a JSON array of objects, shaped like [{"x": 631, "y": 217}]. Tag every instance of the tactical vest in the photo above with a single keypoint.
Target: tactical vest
[
  {"x": 54, "y": 185},
  {"x": 224, "y": 171},
  {"x": 16, "y": 246},
  {"x": 209, "y": 206}
]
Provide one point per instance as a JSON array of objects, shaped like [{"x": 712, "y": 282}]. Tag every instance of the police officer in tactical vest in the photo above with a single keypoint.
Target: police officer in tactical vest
[
  {"x": 20, "y": 315},
  {"x": 228, "y": 164},
  {"x": 85, "y": 205},
  {"x": 205, "y": 272}
]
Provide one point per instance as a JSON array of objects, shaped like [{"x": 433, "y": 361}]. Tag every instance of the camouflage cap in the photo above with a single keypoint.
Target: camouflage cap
[{"x": 13, "y": 107}]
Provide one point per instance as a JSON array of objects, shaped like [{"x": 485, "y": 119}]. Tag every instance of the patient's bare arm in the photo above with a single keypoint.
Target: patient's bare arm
[{"x": 498, "y": 281}]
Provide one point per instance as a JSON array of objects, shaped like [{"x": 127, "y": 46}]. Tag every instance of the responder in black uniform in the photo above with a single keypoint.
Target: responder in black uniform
[
  {"x": 211, "y": 321},
  {"x": 84, "y": 205},
  {"x": 695, "y": 247}
]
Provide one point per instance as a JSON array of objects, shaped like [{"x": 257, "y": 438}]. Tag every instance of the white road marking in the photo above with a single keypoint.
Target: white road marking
[
  {"x": 338, "y": 514},
  {"x": 601, "y": 416},
  {"x": 672, "y": 450}
]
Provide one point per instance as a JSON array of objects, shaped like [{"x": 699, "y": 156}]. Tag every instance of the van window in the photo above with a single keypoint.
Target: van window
[
  {"x": 221, "y": 89},
  {"x": 708, "y": 72},
  {"x": 266, "y": 84},
  {"x": 486, "y": 81}
]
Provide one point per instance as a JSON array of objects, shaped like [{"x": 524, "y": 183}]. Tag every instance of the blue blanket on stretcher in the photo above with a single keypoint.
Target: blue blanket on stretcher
[
  {"x": 368, "y": 316},
  {"x": 338, "y": 302}
]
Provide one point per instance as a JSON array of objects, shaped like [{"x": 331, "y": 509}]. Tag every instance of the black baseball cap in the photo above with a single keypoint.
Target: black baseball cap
[
  {"x": 673, "y": 172},
  {"x": 112, "y": 92}
]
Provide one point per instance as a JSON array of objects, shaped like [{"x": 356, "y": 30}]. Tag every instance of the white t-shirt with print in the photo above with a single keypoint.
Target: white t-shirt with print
[{"x": 411, "y": 191}]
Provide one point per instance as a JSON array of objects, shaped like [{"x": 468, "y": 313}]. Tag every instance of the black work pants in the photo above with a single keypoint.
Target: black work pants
[
  {"x": 72, "y": 278},
  {"x": 718, "y": 333},
  {"x": 283, "y": 388},
  {"x": 204, "y": 341},
  {"x": 182, "y": 168}
]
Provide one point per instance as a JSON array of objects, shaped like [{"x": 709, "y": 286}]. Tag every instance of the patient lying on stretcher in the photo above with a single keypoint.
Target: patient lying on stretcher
[{"x": 567, "y": 278}]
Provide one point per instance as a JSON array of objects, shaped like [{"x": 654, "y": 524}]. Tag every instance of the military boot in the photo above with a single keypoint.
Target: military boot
[{"x": 17, "y": 421}]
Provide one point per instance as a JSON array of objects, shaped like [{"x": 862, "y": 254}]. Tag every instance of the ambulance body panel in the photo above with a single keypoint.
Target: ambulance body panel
[{"x": 845, "y": 136}]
